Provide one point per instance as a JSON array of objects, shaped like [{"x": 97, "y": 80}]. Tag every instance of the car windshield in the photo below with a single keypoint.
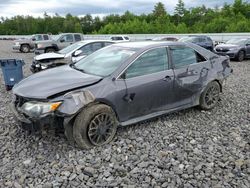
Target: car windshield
[
  {"x": 71, "y": 48},
  {"x": 105, "y": 61},
  {"x": 236, "y": 41}
]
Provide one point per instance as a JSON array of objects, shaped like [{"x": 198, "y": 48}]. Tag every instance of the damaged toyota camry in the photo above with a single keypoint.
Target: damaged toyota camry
[{"x": 119, "y": 85}]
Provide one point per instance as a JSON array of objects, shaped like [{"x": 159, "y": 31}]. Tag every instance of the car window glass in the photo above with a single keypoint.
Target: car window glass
[
  {"x": 77, "y": 37},
  {"x": 45, "y": 37},
  {"x": 126, "y": 38},
  {"x": 68, "y": 38},
  {"x": 96, "y": 46},
  {"x": 202, "y": 40},
  {"x": 38, "y": 37},
  {"x": 153, "y": 61},
  {"x": 86, "y": 50},
  {"x": 183, "y": 56},
  {"x": 107, "y": 43},
  {"x": 200, "y": 58}
]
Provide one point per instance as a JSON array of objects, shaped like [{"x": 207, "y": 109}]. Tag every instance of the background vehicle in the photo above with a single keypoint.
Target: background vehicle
[
  {"x": 57, "y": 43},
  {"x": 238, "y": 48},
  {"x": 165, "y": 39},
  {"x": 25, "y": 45},
  {"x": 201, "y": 40},
  {"x": 120, "y": 85},
  {"x": 120, "y": 38},
  {"x": 72, "y": 53}
]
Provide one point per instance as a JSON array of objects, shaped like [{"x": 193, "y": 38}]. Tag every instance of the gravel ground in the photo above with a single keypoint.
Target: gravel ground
[{"x": 191, "y": 148}]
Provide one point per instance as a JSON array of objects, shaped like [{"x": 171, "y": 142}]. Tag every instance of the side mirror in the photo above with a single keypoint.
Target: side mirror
[
  {"x": 62, "y": 40},
  {"x": 248, "y": 44},
  {"x": 77, "y": 53},
  {"x": 33, "y": 39}
]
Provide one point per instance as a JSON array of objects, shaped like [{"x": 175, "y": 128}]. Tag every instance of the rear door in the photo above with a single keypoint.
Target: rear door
[
  {"x": 149, "y": 83},
  {"x": 191, "y": 71}
]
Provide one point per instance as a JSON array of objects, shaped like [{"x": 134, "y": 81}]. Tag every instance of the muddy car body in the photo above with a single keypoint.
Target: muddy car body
[
  {"x": 72, "y": 53},
  {"x": 121, "y": 84},
  {"x": 238, "y": 48}
]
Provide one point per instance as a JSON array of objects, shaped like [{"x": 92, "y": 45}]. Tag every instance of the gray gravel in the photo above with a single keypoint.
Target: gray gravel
[{"x": 191, "y": 148}]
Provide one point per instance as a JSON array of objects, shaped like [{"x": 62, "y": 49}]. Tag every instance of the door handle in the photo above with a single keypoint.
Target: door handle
[{"x": 167, "y": 78}]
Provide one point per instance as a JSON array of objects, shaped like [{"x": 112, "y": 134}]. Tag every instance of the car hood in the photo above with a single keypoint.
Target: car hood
[
  {"x": 44, "y": 84},
  {"x": 227, "y": 46},
  {"x": 49, "y": 56}
]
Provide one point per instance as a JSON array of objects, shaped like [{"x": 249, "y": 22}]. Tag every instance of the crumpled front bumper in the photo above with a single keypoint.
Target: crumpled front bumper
[{"x": 35, "y": 124}]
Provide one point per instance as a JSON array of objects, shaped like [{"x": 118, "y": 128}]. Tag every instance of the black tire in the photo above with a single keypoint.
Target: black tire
[
  {"x": 241, "y": 56},
  {"x": 68, "y": 132},
  {"x": 49, "y": 50},
  {"x": 25, "y": 48},
  {"x": 94, "y": 123},
  {"x": 210, "y": 96}
]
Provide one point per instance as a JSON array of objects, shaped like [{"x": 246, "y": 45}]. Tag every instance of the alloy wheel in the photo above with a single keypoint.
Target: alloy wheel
[{"x": 101, "y": 129}]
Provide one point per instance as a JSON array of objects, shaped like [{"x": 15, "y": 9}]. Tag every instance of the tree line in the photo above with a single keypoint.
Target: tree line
[{"x": 229, "y": 18}]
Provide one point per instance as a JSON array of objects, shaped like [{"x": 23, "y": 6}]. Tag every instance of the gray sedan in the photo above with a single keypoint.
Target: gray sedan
[
  {"x": 238, "y": 48},
  {"x": 121, "y": 84}
]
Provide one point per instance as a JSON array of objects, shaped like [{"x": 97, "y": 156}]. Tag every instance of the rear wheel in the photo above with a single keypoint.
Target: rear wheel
[
  {"x": 95, "y": 126},
  {"x": 49, "y": 50},
  {"x": 210, "y": 96},
  {"x": 241, "y": 56},
  {"x": 25, "y": 48}
]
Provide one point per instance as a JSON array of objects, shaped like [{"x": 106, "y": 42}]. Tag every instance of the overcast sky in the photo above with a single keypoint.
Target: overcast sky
[{"x": 95, "y": 7}]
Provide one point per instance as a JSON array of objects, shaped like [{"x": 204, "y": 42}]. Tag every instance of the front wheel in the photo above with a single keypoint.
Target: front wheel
[
  {"x": 95, "y": 126},
  {"x": 210, "y": 96}
]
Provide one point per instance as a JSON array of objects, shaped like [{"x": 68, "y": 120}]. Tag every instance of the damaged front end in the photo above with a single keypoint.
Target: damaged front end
[
  {"x": 35, "y": 115},
  {"x": 40, "y": 65}
]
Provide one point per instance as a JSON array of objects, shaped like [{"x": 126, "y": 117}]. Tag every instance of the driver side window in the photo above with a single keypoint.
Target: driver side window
[
  {"x": 152, "y": 61},
  {"x": 67, "y": 38}
]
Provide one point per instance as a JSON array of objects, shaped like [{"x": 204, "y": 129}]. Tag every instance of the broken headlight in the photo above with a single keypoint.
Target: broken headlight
[{"x": 35, "y": 109}]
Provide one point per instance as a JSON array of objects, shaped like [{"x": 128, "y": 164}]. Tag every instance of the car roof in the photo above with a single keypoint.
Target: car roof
[{"x": 145, "y": 44}]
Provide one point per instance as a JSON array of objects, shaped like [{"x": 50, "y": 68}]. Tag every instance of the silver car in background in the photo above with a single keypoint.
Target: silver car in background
[
  {"x": 72, "y": 53},
  {"x": 238, "y": 48}
]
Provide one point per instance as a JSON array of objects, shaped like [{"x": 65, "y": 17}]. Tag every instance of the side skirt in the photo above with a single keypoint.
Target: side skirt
[{"x": 155, "y": 114}]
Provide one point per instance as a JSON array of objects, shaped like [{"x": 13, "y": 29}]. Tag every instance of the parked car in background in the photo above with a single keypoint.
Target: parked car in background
[
  {"x": 27, "y": 44},
  {"x": 120, "y": 38},
  {"x": 201, "y": 40},
  {"x": 121, "y": 84},
  {"x": 238, "y": 48},
  {"x": 165, "y": 39},
  {"x": 57, "y": 43},
  {"x": 72, "y": 53}
]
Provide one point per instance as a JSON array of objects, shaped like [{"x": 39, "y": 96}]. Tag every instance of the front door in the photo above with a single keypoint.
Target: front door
[
  {"x": 148, "y": 84},
  {"x": 65, "y": 41}
]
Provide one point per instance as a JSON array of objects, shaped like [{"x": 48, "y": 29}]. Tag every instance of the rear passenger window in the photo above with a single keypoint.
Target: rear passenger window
[
  {"x": 77, "y": 37},
  {"x": 45, "y": 37},
  {"x": 184, "y": 56},
  {"x": 153, "y": 61}
]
